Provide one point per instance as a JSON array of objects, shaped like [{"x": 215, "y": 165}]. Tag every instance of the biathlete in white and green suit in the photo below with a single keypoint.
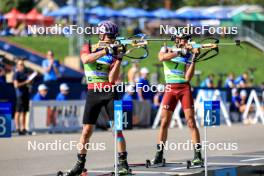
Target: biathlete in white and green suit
[{"x": 178, "y": 63}]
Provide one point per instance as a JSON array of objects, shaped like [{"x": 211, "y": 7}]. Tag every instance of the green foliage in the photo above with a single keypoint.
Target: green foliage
[
  {"x": 22, "y": 5},
  {"x": 201, "y": 2},
  {"x": 6, "y": 6},
  {"x": 59, "y": 45},
  {"x": 150, "y": 4},
  {"x": 259, "y": 2}
]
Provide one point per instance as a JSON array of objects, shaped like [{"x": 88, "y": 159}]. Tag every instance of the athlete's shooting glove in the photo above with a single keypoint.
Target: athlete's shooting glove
[{"x": 113, "y": 50}]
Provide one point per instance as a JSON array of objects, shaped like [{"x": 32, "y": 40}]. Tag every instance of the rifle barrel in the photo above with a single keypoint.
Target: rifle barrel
[
  {"x": 157, "y": 39},
  {"x": 237, "y": 42}
]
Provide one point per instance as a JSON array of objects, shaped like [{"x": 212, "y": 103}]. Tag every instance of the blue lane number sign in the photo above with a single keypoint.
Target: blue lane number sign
[
  {"x": 211, "y": 113},
  {"x": 123, "y": 115},
  {"x": 5, "y": 120},
  {"x": 118, "y": 115}
]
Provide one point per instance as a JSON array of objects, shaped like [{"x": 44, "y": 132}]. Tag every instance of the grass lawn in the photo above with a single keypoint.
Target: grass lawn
[{"x": 230, "y": 58}]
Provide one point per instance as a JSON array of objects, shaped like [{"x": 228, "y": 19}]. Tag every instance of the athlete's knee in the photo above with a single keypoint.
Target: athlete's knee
[
  {"x": 120, "y": 136},
  {"x": 191, "y": 123},
  {"x": 165, "y": 121}
]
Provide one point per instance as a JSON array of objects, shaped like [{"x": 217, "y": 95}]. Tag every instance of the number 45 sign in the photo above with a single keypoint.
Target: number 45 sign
[{"x": 211, "y": 113}]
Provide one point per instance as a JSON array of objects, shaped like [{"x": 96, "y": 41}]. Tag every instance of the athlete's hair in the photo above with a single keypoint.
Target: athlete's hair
[
  {"x": 21, "y": 59},
  {"x": 52, "y": 53}
]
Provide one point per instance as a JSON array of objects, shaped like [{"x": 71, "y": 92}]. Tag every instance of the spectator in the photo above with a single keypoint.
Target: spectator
[
  {"x": 51, "y": 67},
  {"x": 42, "y": 96},
  {"x": 158, "y": 96},
  {"x": 230, "y": 81},
  {"x": 242, "y": 81},
  {"x": 21, "y": 81},
  {"x": 242, "y": 108},
  {"x": 243, "y": 96},
  {"x": 235, "y": 105},
  {"x": 243, "y": 104},
  {"x": 56, "y": 111},
  {"x": 157, "y": 101},
  {"x": 262, "y": 86},
  {"x": 208, "y": 82},
  {"x": 64, "y": 92},
  {"x": 128, "y": 96},
  {"x": 137, "y": 30},
  {"x": 132, "y": 73},
  {"x": 143, "y": 91},
  {"x": 236, "y": 100},
  {"x": 42, "y": 93}
]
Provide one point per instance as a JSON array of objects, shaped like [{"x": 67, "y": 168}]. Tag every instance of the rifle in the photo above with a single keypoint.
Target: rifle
[
  {"x": 125, "y": 46},
  {"x": 212, "y": 47}
]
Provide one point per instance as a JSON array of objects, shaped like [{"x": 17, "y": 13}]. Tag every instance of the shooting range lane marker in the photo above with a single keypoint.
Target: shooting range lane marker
[
  {"x": 117, "y": 126},
  {"x": 228, "y": 164},
  {"x": 142, "y": 172},
  {"x": 242, "y": 155},
  {"x": 116, "y": 153},
  {"x": 252, "y": 159},
  {"x": 205, "y": 151},
  {"x": 180, "y": 168},
  {"x": 211, "y": 118}
]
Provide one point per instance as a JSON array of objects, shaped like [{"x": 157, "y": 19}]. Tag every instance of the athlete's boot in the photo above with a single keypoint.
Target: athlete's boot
[
  {"x": 159, "y": 155},
  {"x": 123, "y": 168},
  {"x": 78, "y": 167},
  {"x": 158, "y": 158},
  {"x": 197, "y": 160}
]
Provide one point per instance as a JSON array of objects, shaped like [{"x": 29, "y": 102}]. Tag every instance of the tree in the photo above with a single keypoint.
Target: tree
[
  {"x": 201, "y": 2},
  {"x": 145, "y": 4},
  {"x": 22, "y": 5}
]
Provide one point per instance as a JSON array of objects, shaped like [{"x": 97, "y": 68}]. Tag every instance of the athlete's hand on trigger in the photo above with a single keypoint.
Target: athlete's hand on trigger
[{"x": 188, "y": 47}]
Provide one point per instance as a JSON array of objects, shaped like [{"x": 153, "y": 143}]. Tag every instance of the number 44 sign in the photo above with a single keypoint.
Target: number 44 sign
[
  {"x": 211, "y": 113},
  {"x": 5, "y": 120}
]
